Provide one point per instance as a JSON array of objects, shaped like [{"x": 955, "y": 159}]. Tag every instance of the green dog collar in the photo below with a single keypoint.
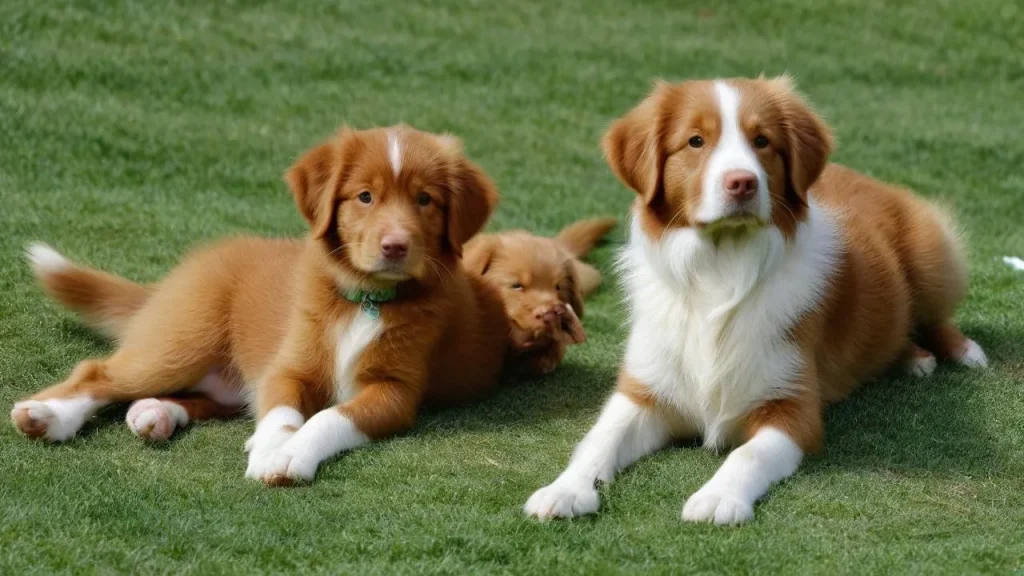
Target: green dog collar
[{"x": 368, "y": 299}]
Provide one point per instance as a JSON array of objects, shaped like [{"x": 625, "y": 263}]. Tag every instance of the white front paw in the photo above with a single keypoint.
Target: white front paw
[
  {"x": 289, "y": 465},
  {"x": 711, "y": 504},
  {"x": 562, "y": 500},
  {"x": 262, "y": 449},
  {"x": 281, "y": 465}
]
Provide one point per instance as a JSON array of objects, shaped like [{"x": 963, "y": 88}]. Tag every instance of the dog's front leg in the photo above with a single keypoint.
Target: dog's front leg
[
  {"x": 779, "y": 433},
  {"x": 625, "y": 431},
  {"x": 379, "y": 410}
]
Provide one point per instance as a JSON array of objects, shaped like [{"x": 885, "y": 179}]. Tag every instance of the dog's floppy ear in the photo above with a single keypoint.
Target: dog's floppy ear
[
  {"x": 473, "y": 197},
  {"x": 312, "y": 180},
  {"x": 634, "y": 144},
  {"x": 808, "y": 140},
  {"x": 479, "y": 252}
]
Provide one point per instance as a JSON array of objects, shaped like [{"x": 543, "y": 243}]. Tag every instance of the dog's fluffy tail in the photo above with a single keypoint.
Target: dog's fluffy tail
[
  {"x": 580, "y": 237},
  {"x": 106, "y": 302}
]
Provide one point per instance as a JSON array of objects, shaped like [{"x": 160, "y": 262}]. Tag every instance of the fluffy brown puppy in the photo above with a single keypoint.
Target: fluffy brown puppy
[
  {"x": 352, "y": 328},
  {"x": 543, "y": 283}
]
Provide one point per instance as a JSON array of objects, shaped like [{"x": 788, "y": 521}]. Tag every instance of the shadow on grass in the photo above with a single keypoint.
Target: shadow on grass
[{"x": 571, "y": 390}]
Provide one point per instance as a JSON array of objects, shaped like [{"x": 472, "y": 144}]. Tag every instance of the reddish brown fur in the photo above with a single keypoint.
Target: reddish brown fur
[
  {"x": 271, "y": 311},
  {"x": 533, "y": 274},
  {"x": 901, "y": 272}
]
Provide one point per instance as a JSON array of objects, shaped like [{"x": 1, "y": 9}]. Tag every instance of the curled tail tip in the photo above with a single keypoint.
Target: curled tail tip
[{"x": 44, "y": 259}]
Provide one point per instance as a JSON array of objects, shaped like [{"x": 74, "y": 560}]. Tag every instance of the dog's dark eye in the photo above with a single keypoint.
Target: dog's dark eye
[
  {"x": 516, "y": 286},
  {"x": 696, "y": 142},
  {"x": 423, "y": 199},
  {"x": 760, "y": 141},
  {"x": 558, "y": 287},
  {"x": 365, "y": 197}
]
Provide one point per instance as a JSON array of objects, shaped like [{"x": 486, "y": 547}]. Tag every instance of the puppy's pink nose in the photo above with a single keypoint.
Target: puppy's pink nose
[
  {"x": 740, "y": 185},
  {"x": 394, "y": 246}
]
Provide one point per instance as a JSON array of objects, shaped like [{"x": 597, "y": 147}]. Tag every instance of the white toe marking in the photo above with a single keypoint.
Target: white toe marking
[
  {"x": 562, "y": 500},
  {"x": 395, "y": 151},
  {"x": 729, "y": 497},
  {"x": 973, "y": 356},
  {"x": 269, "y": 436},
  {"x": 922, "y": 366},
  {"x": 63, "y": 417},
  {"x": 44, "y": 259}
]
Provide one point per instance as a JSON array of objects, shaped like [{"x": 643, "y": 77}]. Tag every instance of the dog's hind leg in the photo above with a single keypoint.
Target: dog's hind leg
[
  {"x": 165, "y": 351},
  {"x": 59, "y": 412},
  {"x": 218, "y": 395}
]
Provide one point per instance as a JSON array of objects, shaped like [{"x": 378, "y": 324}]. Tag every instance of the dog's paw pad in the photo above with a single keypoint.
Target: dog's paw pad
[
  {"x": 562, "y": 501},
  {"x": 722, "y": 509},
  {"x": 152, "y": 419}
]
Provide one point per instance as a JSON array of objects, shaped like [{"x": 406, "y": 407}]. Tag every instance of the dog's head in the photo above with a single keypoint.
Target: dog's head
[
  {"x": 538, "y": 283},
  {"x": 391, "y": 204},
  {"x": 720, "y": 154}
]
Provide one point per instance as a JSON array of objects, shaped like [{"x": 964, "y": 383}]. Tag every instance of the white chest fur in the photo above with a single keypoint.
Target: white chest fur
[
  {"x": 710, "y": 323},
  {"x": 353, "y": 336}
]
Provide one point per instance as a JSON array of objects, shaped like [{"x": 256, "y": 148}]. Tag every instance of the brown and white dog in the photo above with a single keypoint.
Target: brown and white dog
[
  {"x": 763, "y": 283},
  {"x": 543, "y": 283},
  {"x": 339, "y": 338}
]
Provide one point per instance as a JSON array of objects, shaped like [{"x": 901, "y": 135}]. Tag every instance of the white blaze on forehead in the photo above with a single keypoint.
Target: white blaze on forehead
[
  {"x": 732, "y": 152},
  {"x": 395, "y": 151}
]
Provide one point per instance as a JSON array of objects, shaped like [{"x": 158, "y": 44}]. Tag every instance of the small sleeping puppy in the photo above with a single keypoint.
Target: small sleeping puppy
[
  {"x": 763, "y": 283},
  {"x": 543, "y": 283},
  {"x": 338, "y": 338}
]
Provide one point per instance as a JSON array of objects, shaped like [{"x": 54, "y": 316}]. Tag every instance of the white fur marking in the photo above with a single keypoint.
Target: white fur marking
[
  {"x": 732, "y": 152},
  {"x": 395, "y": 151},
  {"x": 44, "y": 259},
  {"x": 326, "y": 434},
  {"x": 353, "y": 338},
  {"x": 623, "y": 433},
  {"x": 973, "y": 356},
  {"x": 63, "y": 417},
  {"x": 748, "y": 472},
  {"x": 710, "y": 322},
  {"x": 269, "y": 436}
]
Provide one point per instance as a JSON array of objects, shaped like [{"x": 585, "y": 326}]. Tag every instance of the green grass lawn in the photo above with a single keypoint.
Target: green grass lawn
[{"x": 132, "y": 131}]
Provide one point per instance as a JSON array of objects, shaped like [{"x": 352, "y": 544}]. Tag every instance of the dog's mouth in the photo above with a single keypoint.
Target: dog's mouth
[
  {"x": 737, "y": 224},
  {"x": 391, "y": 274}
]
